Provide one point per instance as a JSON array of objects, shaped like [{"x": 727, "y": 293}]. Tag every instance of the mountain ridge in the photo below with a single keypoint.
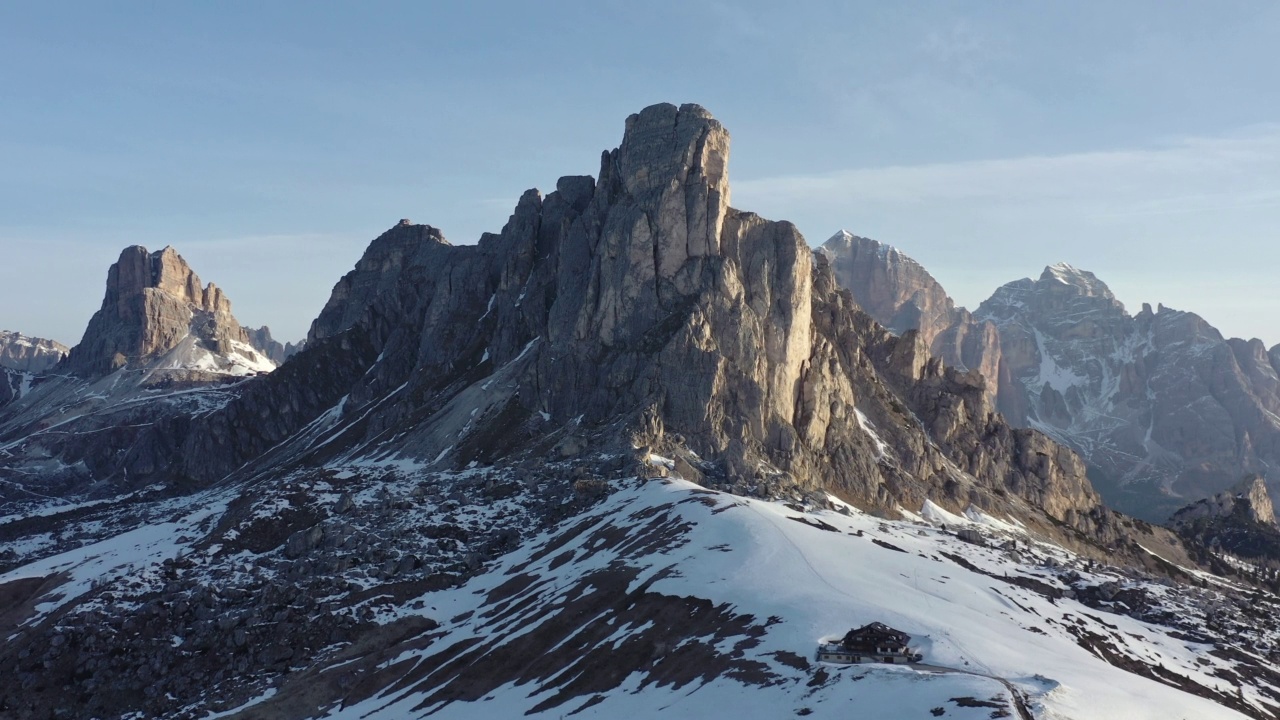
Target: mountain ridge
[{"x": 482, "y": 482}]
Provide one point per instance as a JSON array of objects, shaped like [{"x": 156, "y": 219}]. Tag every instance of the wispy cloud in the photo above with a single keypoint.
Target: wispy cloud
[
  {"x": 1191, "y": 222},
  {"x": 1180, "y": 176}
]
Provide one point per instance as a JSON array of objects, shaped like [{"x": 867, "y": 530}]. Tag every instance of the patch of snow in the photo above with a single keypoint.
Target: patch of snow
[{"x": 882, "y": 448}]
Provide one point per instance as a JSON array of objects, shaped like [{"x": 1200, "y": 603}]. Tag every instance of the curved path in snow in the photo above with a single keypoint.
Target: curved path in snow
[{"x": 1019, "y": 701}]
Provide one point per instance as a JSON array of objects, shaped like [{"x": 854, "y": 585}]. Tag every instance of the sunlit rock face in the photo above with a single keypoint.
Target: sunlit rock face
[{"x": 155, "y": 305}]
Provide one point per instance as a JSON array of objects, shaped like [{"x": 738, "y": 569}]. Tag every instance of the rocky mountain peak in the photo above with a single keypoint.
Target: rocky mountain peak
[
  {"x": 377, "y": 271},
  {"x": 901, "y": 295},
  {"x": 1127, "y": 390},
  {"x": 1060, "y": 289},
  {"x": 1082, "y": 282},
  {"x": 673, "y": 164},
  {"x": 891, "y": 287},
  {"x": 29, "y": 354},
  {"x": 156, "y": 307},
  {"x": 639, "y": 310}
]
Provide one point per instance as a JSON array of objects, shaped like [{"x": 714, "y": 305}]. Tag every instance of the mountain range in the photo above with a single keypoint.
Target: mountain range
[
  {"x": 1162, "y": 408},
  {"x": 638, "y": 453}
]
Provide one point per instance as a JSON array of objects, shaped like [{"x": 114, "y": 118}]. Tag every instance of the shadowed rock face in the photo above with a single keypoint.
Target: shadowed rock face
[
  {"x": 901, "y": 295},
  {"x": 153, "y": 302},
  {"x": 29, "y": 354}
]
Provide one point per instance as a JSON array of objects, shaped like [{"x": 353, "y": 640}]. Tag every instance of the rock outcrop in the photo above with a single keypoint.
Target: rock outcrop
[
  {"x": 1248, "y": 497},
  {"x": 155, "y": 306},
  {"x": 1240, "y": 522},
  {"x": 29, "y": 354},
  {"x": 275, "y": 351},
  {"x": 901, "y": 295}
]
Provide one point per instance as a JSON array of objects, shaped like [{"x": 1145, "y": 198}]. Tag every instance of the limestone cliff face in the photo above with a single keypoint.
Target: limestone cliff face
[
  {"x": 29, "y": 354},
  {"x": 154, "y": 303},
  {"x": 901, "y": 295}
]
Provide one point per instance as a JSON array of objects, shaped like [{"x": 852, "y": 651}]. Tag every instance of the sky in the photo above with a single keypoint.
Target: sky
[{"x": 269, "y": 143}]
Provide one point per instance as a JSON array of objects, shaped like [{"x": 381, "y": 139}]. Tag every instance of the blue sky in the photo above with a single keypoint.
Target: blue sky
[{"x": 270, "y": 142}]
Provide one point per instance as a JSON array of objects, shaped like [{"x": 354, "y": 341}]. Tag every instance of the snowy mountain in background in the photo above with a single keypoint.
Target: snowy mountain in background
[
  {"x": 901, "y": 295},
  {"x": 29, "y": 354},
  {"x": 1165, "y": 409},
  {"x": 162, "y": 346},
  {"x": 1161, "y": 406},
  {"x": 21, "y": 359},
  {"x": 638, "y": 453}
]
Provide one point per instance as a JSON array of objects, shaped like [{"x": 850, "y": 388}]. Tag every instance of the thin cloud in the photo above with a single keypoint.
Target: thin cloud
[{"x": 1187, "y": 175}]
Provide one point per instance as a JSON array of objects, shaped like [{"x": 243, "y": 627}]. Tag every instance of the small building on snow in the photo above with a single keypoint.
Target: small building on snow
[{"x": 876, "y": 642}]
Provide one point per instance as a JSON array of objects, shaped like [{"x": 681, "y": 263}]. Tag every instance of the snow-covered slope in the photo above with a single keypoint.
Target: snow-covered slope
[{"x": 664, "y": 599}]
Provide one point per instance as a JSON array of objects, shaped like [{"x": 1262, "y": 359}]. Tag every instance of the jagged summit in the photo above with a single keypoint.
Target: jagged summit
[
  {"x": 847, "y": 242},
  {"x": 639, "y": 309},
  {"x": 403, "y": 246},
  {"x": 892, "y": 287},
  {"x": 155, "y": 313},
  {"x": 1060, "y": 288},
  {"x": 1082, "y": 281},
  {"x": 29, "y": 354}
]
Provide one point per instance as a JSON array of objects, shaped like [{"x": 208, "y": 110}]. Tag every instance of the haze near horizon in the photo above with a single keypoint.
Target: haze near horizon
[{"x": 270, "y": 145}]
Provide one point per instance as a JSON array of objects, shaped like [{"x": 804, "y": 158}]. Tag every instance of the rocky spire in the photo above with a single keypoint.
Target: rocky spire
[
  {"x": 153, "y": 303},
  {"x": 1254, "y": 489}
]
